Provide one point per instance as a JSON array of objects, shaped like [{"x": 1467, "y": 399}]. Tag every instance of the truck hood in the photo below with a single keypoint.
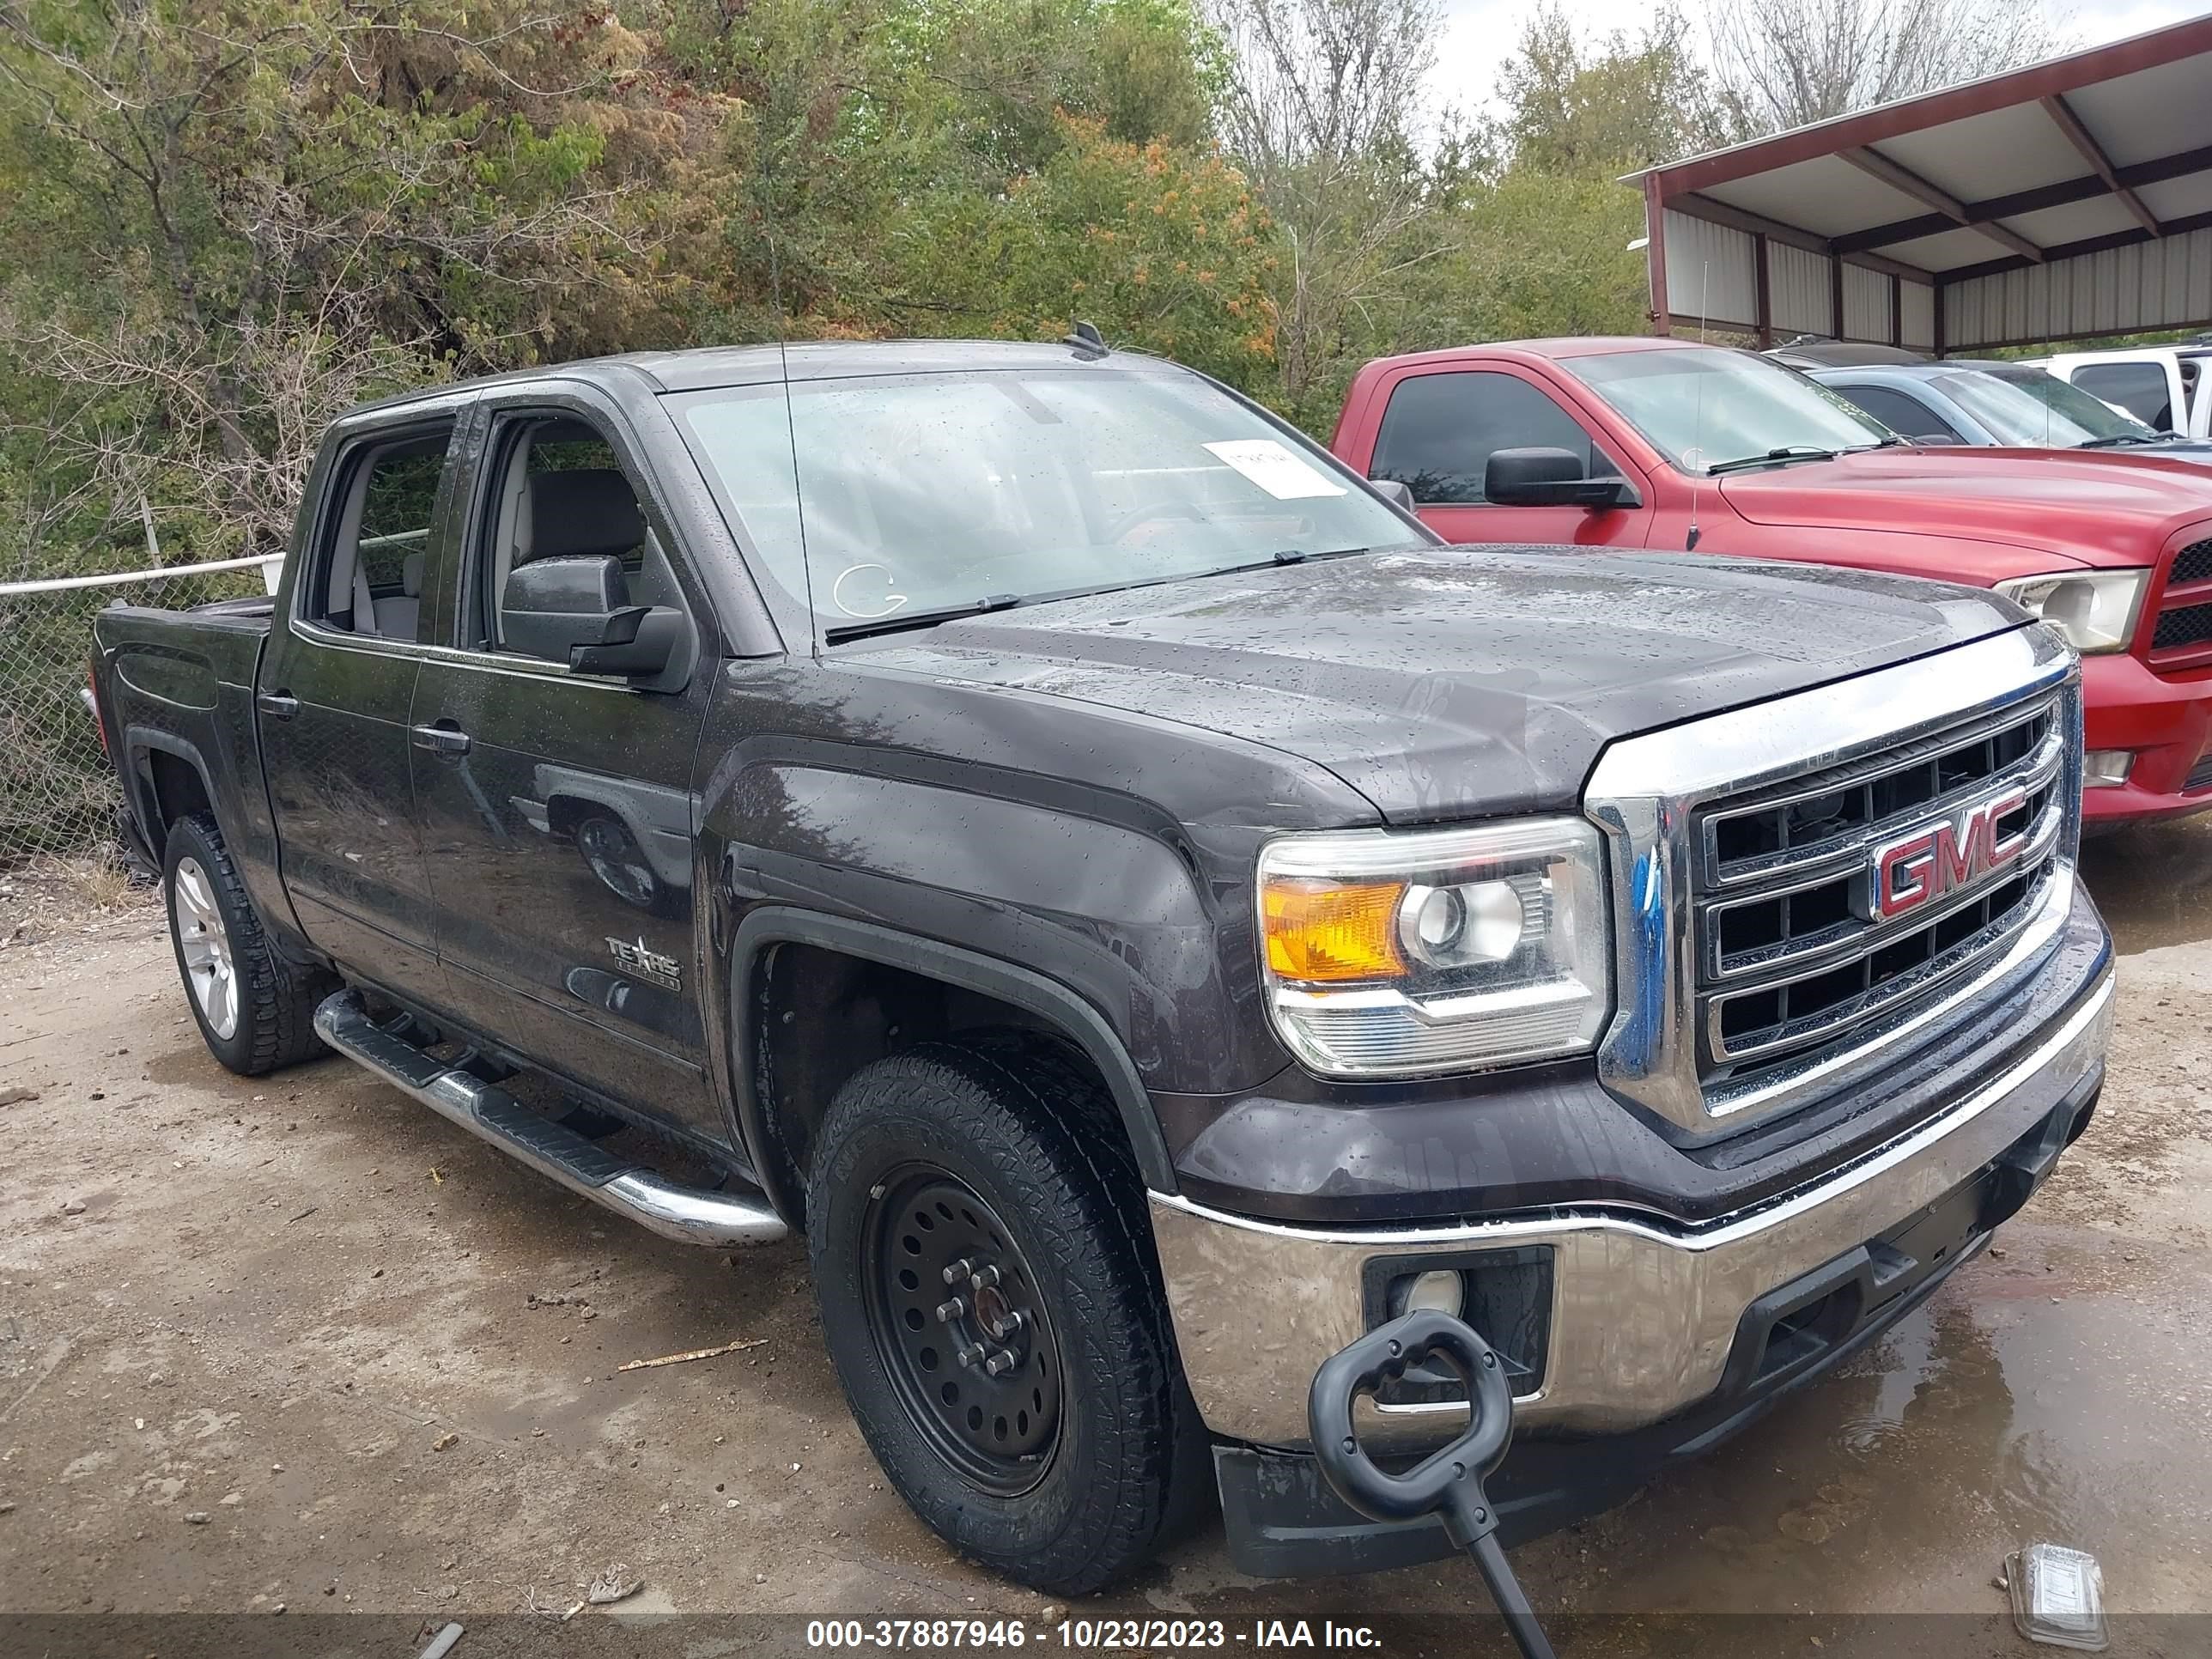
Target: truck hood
[
  {"x": 1446, "y": 681},
  {"x": 2097, "y": 507}
]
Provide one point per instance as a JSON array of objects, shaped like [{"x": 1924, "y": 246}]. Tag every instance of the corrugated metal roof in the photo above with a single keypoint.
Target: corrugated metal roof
[{"x": 2070, "y": 198}]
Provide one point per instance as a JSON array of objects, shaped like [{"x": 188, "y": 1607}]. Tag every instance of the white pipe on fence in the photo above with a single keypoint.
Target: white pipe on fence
[{"x": 268, "y": 562}]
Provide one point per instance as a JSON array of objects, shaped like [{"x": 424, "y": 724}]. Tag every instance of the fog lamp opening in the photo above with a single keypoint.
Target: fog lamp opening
[{"x": 2107, "y": 768}]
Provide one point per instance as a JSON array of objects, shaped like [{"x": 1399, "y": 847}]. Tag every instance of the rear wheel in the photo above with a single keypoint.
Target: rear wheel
[
  {"x": 989, "y": 1301},
  {"x": 255, "y": 1010}
]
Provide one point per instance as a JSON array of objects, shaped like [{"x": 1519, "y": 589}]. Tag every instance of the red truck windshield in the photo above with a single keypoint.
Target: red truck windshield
[{"x": 1707, "y": 410}]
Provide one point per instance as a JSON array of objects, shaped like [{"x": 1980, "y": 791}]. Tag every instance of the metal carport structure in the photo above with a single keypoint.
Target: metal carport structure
[{"x": 2066, "y": 200}]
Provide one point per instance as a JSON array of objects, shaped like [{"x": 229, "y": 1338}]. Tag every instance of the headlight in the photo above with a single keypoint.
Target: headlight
[
  {"x": 2093, "y": 609},
  {"x": 1390, "y": 954}
]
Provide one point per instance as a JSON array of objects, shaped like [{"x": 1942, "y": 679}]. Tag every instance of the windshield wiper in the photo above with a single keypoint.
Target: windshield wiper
[
  {"x": 1787, "y": 453},
  {"x": 2119, "y": 438},
  {"x": 1298, "y": 556},
  {"x": 898, "y": 621}
]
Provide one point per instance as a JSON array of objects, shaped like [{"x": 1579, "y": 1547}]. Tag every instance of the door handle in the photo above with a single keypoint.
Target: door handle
[
  {"x": 277, "y": 705},
  {"x": 443, "y": 738}
]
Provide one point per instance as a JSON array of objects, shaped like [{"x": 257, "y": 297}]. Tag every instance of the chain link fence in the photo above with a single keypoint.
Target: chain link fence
[{"x": 57, "y": 792}]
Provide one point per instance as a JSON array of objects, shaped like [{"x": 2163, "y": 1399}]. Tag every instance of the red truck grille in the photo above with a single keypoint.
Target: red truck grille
[
  {"x": 2188, "y": 624},
  {"x": 2184, "y": 626}
]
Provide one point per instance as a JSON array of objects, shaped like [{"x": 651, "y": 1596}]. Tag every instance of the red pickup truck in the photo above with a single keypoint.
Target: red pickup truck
[{"x": 1664, "y": 444}]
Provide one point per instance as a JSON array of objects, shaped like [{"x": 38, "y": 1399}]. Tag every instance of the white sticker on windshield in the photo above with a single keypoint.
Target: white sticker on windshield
[{"x": 1276, "y": 470}]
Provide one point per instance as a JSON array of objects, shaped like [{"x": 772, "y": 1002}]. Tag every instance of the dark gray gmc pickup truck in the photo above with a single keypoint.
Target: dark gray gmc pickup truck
[{"x": 1143, "y": 908}]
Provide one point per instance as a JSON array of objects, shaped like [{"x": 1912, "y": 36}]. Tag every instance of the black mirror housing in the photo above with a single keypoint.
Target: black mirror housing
[
  {"x": 1541, "y": 476},
  {"x": 575, "y": 609}
]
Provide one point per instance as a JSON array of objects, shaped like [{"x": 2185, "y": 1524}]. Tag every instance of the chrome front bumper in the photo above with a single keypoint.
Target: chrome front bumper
[{"x": 1643, "y": 1318}]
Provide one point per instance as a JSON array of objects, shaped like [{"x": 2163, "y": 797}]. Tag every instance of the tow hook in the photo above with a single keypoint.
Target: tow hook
[{"x": 1448, "y": 1482}]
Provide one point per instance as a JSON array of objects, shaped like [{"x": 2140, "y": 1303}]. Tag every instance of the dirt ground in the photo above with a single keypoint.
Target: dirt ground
[{"x": 297, "y": 1345}]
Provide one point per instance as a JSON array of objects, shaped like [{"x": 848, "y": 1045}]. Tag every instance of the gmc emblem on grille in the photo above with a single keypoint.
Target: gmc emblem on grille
[{"x": 1939, "y": 858}]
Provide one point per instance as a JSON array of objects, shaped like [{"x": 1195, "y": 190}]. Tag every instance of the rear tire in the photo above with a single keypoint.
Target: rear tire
[
  {"x": 1065, "y": 1469},
  {"x": 256, "y": 1011}
]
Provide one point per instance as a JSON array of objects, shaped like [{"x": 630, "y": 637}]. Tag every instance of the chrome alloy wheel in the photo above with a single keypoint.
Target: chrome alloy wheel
[{"x": 204, "y": 944}]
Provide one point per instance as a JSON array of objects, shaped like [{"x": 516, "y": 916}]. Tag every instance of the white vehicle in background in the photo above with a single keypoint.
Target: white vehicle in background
[{"x": 2167, "y": 387}]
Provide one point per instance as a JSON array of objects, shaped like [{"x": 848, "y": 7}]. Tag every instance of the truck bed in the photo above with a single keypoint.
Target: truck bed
[{"x": 174, "y": 690}]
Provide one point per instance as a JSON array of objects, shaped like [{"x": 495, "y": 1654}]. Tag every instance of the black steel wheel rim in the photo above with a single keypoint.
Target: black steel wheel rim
[{"x": 960, "y": 1327}]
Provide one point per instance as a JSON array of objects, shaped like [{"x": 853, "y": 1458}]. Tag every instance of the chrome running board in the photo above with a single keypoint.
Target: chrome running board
[{"x": 689, "y": 1215}]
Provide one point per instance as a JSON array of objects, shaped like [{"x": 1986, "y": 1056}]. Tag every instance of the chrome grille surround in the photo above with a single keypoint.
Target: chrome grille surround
[{"x": 1661, "y": 797}]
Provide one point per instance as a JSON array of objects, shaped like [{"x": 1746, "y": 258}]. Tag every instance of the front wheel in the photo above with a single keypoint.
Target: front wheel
[
  {"x": 990, "y": 1302},
  {"x": 255, "y": 1010}
]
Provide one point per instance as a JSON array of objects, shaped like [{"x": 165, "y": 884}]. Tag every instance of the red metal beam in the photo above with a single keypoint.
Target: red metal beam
[
  {"x": 1655, "y": 256},
  {"x": 2087, "y": 245},
  {"x": 1762, "y": 292},
  {"x": 1876, "y": 166},
  {"x": 2025, "y": 86},
  {"x": 2134, "y": 176},
  {"x": 1758, "y": 224},
  {"x": 2062, "y": 115}
]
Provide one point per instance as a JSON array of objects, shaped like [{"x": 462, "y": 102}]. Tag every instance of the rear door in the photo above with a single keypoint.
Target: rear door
[
  {"x": 334, "y": 697},
  {"x": 556, "y": 806},
  {"x": 1438, "y": 431}
]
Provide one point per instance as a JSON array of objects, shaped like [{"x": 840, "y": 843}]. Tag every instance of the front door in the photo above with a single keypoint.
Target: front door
[
  {"x": 335, "y": 690},
  {"x": 556, "y": 806},
  {"x": 1439, "y": 430}
]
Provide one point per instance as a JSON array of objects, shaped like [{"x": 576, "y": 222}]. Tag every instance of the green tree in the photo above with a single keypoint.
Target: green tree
[
  {"x": 1163, "y": 248},
  {"x": 1590, "y": 111},
  {"x": 243, "y": 216}
]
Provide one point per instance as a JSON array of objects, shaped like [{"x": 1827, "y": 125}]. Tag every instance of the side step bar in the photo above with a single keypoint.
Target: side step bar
[{"x": 687, "y": 1214}]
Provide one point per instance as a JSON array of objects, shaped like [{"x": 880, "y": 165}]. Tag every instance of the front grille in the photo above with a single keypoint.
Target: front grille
[
  {"x": 2190, "y": 625},
  {"x": 2192, "y": 564},
  {"x": 2200, "y": 776},
  {"x": 1793, "y": 954}
]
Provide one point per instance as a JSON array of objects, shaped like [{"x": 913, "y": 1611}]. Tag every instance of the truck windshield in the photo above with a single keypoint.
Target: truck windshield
[
  {"x": 2029, "y": 408},
  {"x": 1708, "y": 410},
  {"x": 889, "y": 500}
]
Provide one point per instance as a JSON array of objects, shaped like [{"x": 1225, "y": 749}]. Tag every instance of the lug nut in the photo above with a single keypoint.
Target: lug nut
[
  {"x": 1000, "y": 1363},
  {"x": 983, "y": 1278},
  {"x": 949, "y": 1311},
  {"x": 958, "y": 1271},
  {"x": 970, "y": 1354},
  {"x": 1006, "y": 1328}
]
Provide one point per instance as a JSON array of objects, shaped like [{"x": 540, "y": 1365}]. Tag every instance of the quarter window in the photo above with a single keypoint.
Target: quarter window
[{"x": 1440, "y": 430}]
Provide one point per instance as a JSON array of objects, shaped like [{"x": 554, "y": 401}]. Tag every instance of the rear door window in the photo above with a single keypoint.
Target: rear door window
[
  {"x": 2139, "y": 388},
  {"x": 375, "y": 566},
  {"x": 1899, "y": 412},
  {"x": 1439, "y": 432}
]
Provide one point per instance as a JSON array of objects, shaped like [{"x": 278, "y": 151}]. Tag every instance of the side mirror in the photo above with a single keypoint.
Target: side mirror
[
  {"x": 1543, "y": 476},
  {"x": 1395, "y": 491},
  {"x": 576, "y": 610}
]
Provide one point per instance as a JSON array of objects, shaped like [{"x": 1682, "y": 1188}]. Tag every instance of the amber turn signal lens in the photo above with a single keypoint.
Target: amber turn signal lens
[{"x": 1321, "y": 930}]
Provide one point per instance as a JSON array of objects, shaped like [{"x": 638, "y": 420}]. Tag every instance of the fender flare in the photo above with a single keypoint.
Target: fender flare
[
  {"x": 1068, "y": 1013},
  {"x": 138, "y": 743}
]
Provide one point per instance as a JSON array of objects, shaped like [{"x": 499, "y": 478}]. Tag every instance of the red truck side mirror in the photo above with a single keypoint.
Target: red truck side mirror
[{"x": 1540, "y": 475}]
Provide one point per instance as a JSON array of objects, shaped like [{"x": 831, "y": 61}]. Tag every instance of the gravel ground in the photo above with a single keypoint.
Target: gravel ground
[{"x": 294, "y": 1344}]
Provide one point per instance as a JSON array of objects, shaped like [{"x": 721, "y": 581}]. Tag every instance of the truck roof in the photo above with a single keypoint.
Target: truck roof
[{"x": 700, "y": 367}]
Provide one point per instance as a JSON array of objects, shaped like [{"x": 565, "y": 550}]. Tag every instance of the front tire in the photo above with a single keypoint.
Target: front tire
[
  {"x": 988, "y": 1294},
  {"x": 255, "y": 1010}
]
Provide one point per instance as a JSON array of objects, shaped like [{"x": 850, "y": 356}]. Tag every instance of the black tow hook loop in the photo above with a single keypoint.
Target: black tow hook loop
[{"x": 1448, "y": 1482}]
